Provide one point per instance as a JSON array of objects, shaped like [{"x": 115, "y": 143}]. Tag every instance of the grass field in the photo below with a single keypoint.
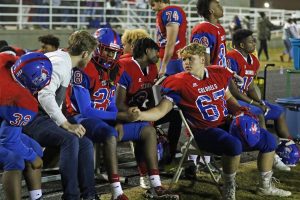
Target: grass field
[{"x": 203, "y": 187}]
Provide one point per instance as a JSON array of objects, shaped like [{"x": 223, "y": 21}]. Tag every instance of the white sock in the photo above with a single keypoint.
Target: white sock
[
  {"x": 35, "y": 194},
  {"x": 207, "y": 159},
  {"x": 155, "y": 181},
  {"x": 229, "y": 177},
  {"x": 193, "y": 158},
  {"x": 262, "y": 174},
  {"x": 116, "y": 189}
]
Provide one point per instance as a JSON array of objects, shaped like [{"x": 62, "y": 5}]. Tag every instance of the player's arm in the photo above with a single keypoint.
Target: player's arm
[
  {"x": 157, "y": 112},
  {"x": 254, "y": 96},
  {"x": 237, "y": 94},
  {"x": 124, "y": 113},
  {"x": 47, "y": 99},
  {"x": 83, "y": 100},
  {"x": 172, "y": 33}
]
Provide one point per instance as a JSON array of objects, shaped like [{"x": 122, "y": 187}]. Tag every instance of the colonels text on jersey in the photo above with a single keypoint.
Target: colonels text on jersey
[{"x": 202, "y": 101}]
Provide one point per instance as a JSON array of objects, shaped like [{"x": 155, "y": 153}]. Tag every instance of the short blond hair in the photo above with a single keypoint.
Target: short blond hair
[
  {"x": 192, "y": 49},
  {"x": 80, "y": 41},
  {"x": 131, "y": 36}
]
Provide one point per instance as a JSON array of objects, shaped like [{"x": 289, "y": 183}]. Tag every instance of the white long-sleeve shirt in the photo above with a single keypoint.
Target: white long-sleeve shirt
[{"x": 51, "y": 97}]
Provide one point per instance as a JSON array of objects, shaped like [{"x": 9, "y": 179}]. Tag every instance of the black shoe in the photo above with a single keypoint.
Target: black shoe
[{"x": 190, "y": 171}]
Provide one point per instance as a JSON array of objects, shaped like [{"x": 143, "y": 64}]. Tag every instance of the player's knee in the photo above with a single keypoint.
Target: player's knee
[
  {"x": 232, "y": 146},
  {"x": 148, "y": 132},
  {"x": 109, "y": 131},
  {"x": 13, "y": 162},
  {"x": 70, "y": 141},
  {"x": 269, "y": 141}
]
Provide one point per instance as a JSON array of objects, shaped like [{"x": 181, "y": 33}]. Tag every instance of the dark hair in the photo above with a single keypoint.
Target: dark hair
[
  {"x": 140, "y": 46},
  {"x": 262, "y": 14},
  {"x": 50, "y": 39},
  {"x": 239, "y": 35},
  {"x": 203, "y": 8},
  {"x": 3, "y": 43},
  {"x": 7, "y": 48}
]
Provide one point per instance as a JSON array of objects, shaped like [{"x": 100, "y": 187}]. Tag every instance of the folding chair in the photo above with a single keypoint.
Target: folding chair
[{"x": 191, "y": 147}]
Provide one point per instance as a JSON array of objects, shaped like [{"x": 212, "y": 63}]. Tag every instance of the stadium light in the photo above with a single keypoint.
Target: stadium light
[{"x": 267, "y": 5}]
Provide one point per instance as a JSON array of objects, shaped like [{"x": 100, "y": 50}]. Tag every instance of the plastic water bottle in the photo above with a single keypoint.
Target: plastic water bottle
[{"x": 281, "y": 70}]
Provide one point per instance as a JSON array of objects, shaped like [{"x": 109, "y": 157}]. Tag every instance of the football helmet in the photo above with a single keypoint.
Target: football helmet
[
  {"x": 109, "y": 48},
  {"x": 33, "y": 71},
  {"x": 246, "y": 128},
  {"x": 288, "y": 151}
]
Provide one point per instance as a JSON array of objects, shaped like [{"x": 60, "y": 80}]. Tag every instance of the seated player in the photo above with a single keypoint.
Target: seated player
[
  {"x": 203, "y": 96},
  {"x": 135, "y": 89},
  {"x": 91, "y": 101},
  {"x": 20, "y": 80},
  {"x": 245, "y": 64}
]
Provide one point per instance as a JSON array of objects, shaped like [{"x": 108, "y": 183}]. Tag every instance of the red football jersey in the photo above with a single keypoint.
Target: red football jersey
[
  {"x": 171, "y": 14},
  {"x": 138, "y": 83},
  {"x": 238, "y": 63},
  {"x": 101, "y": 90},
  {"x": 202, "y": 101},
  {"x": 213, "y": 37},
  {"x": 17, "y": 105}
]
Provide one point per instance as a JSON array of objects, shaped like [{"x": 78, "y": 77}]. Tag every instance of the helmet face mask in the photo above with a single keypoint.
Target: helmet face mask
[
  {"x": 109, "y": 48},
  {"x": 33, "y": 71}
]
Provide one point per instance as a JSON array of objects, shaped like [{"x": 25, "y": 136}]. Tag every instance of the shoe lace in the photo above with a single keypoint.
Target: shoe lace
[{"x": 229, "y": 191}]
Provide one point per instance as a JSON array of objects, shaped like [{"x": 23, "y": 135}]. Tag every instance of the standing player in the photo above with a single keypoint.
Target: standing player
[
  {"x": 52, "y": 129},
  {"x": 210, "y": 33},
  {"x": 171, "y": 35},
  {"x": 202, "y": 94},
  {"x": 135, "y": 89},
  {"x": 20, "y": 80},
  {"x": 245, "y": 64},
  {"x": 91, "y": 101}
]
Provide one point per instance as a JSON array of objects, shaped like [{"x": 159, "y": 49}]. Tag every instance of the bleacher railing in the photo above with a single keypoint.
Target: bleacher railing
[{"x": 79, "y": 14}]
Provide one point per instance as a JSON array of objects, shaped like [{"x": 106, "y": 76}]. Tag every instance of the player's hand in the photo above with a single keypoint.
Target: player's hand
[
  {"x": 37, "y": 163},
  {"x": 133, "y": 114},
  {"x": 264, "y": 108},
  {"x": 119, "y": 128},
  {"x": 239, "y": 80},
  {"x": 162, "y": 71},
  {"x": 76, "y": 129}
]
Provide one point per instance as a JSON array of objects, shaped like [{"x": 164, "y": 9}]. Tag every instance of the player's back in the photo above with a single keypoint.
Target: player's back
[
  {"x": 213, "y": 37},
  {"x": 17, "y": 105},
  {"x": 171, "y": 14}
]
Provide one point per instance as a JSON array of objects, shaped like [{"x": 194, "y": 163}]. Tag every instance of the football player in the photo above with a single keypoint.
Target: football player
[
  {"x": 135, "y": 89},
  {"x": 51, "y": 128},
  {"x": 203, "y": 96},
  {"x": 245, "y": 64},
  {"x": 210, "y": 33},
  {"x": 91, "y": 101},
  {"x": 20, "y": 80},
  {"x": 171, "y": 27}
]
